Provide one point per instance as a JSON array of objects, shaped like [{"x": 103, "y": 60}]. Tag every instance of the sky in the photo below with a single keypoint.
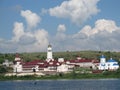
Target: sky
[{"x": 68, "y": 25}]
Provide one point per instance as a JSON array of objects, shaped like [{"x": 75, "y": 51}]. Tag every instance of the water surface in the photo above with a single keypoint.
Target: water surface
[{"x": 100, "y": 84}]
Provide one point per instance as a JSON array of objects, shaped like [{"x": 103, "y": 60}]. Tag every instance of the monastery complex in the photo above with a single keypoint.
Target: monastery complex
[{"x": 51, "y": 66}]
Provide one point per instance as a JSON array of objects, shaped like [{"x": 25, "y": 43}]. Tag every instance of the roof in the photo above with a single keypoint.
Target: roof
[
  {"x": 41, "y": 64},
  {"x": 49, "y": 45},
  {"x": 115, "y": 64},
  {"x": 80, "y": 61},
  {"x": 102, "y": 56},
  {"x": 111, "y": 60},
  {"x": 95, "y": 61},
  {"x": 35, "y": 62}
]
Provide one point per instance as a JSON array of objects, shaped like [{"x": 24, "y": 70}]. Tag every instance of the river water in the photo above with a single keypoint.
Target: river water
[{"x": 87, "y": 84}]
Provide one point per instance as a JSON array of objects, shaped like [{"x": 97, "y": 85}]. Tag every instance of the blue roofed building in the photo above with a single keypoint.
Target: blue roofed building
[
  {"x": 108, "y": 65},
  {"x": 112, "y": 64}
]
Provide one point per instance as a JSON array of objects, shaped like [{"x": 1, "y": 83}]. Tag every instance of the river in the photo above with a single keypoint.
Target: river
[{"x": 84, "y": 84}]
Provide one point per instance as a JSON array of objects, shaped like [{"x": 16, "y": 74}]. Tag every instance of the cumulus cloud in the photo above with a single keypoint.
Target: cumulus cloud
[
  {"x": 77, "y": 11},
  {"x": 26, "y": 39},
  {"x": 44, "y": 11},
  {"x": 32, "y": 18},
  {"x": 34, "y": 42},
  {"x": 103, "y": 36},
  {"x": 18, "y": 31},
  {"x": 61, "y": 28},
  {"x": 100, "y": 25},
  {"x": 41, "y": 37},
  {"x": 23, "y": 40},
  {"x": 7, "y": 46},
  {"x": 60, "y": 35}
]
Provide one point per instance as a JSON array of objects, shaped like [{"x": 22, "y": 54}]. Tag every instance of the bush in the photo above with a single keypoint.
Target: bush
[{"x": 3, "y": 69}]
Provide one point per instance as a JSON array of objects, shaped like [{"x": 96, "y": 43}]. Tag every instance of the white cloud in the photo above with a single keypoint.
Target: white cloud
[
  {"x": 26, "y": 41},
  {"x": 7, "y": 46},
  {"x": 32, "y": 41},
  {"x": 41, "y": 37},
  {"x": 61, "y": 28},
  {"x": 60, "y": 35},
  {"x": 44, "y": 11},
  {"x": 32, "y": 18},
  {"x": 36, "y": 43},
  {"x": 100, "y": 25},
  {"x": 103, "y": 36},
  {"x": 77, "y": 11},
  {"x": 18, "y": 31}
]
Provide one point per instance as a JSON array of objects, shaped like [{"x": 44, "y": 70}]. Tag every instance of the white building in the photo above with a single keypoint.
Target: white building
[
  {"x": 7, "y": 63},
  {"x": 102, "y": 65},
  {"x": 63, "y": 68},
  {"x": 17, "y": 67},
  {"x": 112, "y": 64},
  {"x": 49, "y": 53},
  {"x": 107, "y": 65}
]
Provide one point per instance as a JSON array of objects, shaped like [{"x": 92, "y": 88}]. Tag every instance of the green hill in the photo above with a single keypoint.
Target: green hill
[{"x": 68, "y": 55}]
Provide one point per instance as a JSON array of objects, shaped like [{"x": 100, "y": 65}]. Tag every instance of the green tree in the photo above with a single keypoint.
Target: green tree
[{"x": 3, "y": 69}]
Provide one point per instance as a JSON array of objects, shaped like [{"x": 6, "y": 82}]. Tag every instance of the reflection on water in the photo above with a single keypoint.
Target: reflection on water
[{"x": 101, "y": 84}]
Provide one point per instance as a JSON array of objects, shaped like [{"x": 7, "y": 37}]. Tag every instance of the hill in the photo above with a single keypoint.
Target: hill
[{"x": 68, "y": 55}]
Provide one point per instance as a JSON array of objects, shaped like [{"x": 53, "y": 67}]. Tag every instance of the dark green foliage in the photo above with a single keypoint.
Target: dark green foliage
[
  {"x": 68, "y": 55},
  {"x": 3, "y": 69}
]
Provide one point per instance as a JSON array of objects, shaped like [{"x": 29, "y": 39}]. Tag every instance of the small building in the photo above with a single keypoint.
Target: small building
[
  {"x": 7, "y": 63},
  {"x": 112, "y": 64},
  {"x": 82, "y": 63},
  {"x": 63, "y": 68}
]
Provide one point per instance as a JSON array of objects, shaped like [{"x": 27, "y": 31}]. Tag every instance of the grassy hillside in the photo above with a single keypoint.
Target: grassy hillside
[{"x": 66, "y": 55}]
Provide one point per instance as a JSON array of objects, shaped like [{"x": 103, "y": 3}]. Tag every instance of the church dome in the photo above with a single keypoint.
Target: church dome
[
  {"x": 111, "y": 60},
  {"x": 102, "y": 56}
]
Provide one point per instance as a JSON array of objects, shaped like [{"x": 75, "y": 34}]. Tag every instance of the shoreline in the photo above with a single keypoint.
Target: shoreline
[
  {"x": 70, "y": 76},
  {"x": 63, "y": 79}
]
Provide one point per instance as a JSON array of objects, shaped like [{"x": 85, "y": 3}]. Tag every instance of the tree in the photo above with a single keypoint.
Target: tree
[{"x": 3, "y": 69}]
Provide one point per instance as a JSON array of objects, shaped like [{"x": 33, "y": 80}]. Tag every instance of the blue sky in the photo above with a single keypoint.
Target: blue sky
[{"x": 29, "y": 25}]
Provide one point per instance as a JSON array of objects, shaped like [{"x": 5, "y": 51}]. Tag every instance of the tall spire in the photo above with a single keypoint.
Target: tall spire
[
  {"x": 49, "y": 45},
  {"x": 49, "y": 53}
]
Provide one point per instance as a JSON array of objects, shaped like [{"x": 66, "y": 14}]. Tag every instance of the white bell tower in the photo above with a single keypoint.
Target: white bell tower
[
  {"x": 49, "y": 53},
  {"x": 102, "y": 59}
]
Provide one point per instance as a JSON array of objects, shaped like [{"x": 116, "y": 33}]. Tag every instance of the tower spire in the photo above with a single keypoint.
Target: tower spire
[{"x": 49, "y": 53}]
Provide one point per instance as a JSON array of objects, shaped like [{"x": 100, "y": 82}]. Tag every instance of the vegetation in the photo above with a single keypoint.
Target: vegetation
[
  {"x": 3, "y": 69},
  {"x": 72, "y": 75},
  {"x": 68, "y": 55}
]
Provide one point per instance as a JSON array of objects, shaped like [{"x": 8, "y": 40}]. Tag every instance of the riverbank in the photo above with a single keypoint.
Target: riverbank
[{"x": 73, "y": 75}]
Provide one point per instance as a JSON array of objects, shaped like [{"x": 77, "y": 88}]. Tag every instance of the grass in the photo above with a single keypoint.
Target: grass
[{"x": 72, "y": 75}]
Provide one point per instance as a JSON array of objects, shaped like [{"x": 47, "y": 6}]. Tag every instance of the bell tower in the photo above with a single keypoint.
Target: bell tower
[{"x": 49, "y": 53}]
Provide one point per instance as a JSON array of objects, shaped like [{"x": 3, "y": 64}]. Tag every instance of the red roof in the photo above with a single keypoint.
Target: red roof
[
  {"x": 80, "y": 61},
  {"x": 40, "y": 63},
  {"x": 53, "y": 63},
  {"x": 34, "y": 62},
  {"x": 95, "y": 61}
]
